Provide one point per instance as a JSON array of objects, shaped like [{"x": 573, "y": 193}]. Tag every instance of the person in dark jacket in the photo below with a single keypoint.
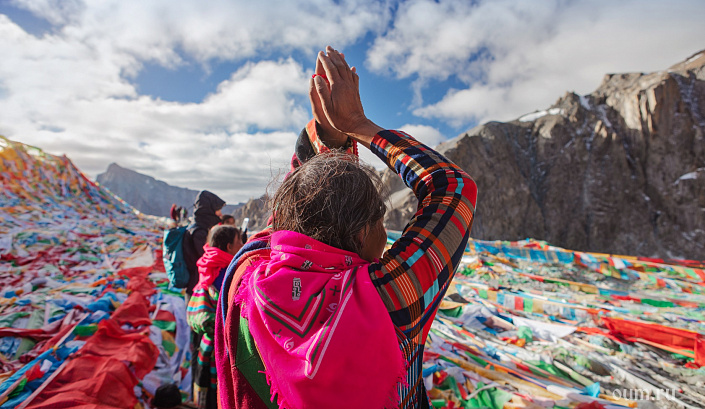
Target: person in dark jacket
[{"x": 207, "y": 214}]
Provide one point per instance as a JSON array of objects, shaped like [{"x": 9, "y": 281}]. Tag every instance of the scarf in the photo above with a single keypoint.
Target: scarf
[
  {"x": 322, "y": 330},
  {"x": 210, "y": 264}
]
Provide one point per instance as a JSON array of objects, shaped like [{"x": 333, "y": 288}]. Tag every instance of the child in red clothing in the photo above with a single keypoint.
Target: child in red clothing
[{"x": 223, "y": 243}]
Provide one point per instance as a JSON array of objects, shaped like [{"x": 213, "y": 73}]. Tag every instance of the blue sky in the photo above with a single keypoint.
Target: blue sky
[{"x": 211, "y": 95}]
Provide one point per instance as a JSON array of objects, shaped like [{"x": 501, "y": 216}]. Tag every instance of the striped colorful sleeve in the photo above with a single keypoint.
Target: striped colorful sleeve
[{"x": 414, "y": 274}]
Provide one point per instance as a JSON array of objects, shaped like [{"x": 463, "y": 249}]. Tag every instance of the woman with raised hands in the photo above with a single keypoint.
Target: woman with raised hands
[{"x": 313, "y": 312}]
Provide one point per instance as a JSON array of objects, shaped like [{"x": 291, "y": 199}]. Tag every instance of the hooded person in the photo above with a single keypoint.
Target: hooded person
[{"x": 207, "y": 214}]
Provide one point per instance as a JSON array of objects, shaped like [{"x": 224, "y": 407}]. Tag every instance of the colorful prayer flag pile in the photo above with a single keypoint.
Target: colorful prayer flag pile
[
  {"x": 529, "y": 325},
  {"x": 86, "y": 315}
]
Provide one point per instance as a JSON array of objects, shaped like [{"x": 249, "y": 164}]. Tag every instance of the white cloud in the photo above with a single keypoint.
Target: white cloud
[
  {"x": 518, "y": 55},
  {"x": 424, "y": 133},
  {"x": 67, "y": 99},
  {"x": 70, "y": 90},
  {"x": 57, "y": 12},
  {"x": 216, "y": 29},
  {"x": 366, "y": 156}
]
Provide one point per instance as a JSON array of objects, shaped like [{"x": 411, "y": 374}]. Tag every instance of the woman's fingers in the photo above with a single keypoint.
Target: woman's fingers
[
  {"x": 334, "y": 68},
  {"x": 323, "y": 94},
  {"x": 319, "y": 67},
  {"x": 316, "y": 107},
  {"x": 329, "y": 68},
  {"x": 356, "y": 78},
  {"x": 328, "y": 134},
  {"x": 337, "y": 68},
  {"x": 340, "y": 62},
  {"x": 339, "y": 96}
]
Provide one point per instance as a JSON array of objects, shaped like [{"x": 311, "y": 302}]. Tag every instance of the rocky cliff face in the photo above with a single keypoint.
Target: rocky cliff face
[
  {"x": 621, "y": 170},
  {"x": 147, "y": 194},
  {"x": 256, "y": 210}
]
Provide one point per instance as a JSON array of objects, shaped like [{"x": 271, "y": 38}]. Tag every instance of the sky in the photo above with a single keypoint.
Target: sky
[{"x": 212, "y": 94}]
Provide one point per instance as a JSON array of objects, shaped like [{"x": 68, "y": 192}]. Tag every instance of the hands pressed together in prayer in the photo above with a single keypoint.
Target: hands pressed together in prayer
[{"x": 335, "y": 101}]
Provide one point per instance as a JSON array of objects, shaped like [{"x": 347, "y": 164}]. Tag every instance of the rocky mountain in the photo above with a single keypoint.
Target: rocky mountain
[
  {"x": 256, "y": 210},
  {"x": 147, "y": 194},
  {"x": 621, "y": 170}
]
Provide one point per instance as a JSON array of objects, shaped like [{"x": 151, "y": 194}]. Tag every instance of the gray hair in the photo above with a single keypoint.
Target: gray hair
[{"x": 330, "y": 198}]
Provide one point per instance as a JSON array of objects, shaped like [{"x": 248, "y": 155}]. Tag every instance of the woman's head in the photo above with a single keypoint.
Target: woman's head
[
  {"x": 226, "y": 238},
  {"x": 334, "y": 199},
  {"x": 227, "y": 219}
]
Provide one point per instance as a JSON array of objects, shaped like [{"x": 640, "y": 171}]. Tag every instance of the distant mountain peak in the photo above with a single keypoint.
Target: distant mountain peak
[{"x": 147, "y": 194}]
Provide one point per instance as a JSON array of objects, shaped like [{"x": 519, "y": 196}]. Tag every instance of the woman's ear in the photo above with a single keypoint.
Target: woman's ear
[
  {"x": 373, "y": 238},
  {"x": 362, "y": 235}
]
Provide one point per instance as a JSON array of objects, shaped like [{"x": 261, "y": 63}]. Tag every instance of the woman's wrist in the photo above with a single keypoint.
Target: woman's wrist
[
  {"x": 364, "y": 132},
  {"x": 337, "y": 143},
  {"x": 332, "y": 138}
]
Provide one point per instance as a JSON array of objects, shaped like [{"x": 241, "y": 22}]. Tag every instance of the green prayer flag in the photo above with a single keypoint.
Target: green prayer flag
[
  {"x": 165, "y": 325},
  {"x": 169, "y": 347},
  {"x": 18, "y": 389},
  {"x": 492, "y": 398},
  {"x": 548, "y": 368},
  {"x": 477, "y": 359},
  {"x": 526, "y": 333},
  {"x": 452, "y": 384},
  {"x": 453, "y": 312},
  {"x": 85, "y": 330},
  {"x": 438, "y": 403},
  {"x": 528, "y": 304},
  {"x": 657, "y": 303}
]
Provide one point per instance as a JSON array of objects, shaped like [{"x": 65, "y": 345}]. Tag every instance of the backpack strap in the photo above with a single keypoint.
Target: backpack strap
[{"x": 193, "y": 227}]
